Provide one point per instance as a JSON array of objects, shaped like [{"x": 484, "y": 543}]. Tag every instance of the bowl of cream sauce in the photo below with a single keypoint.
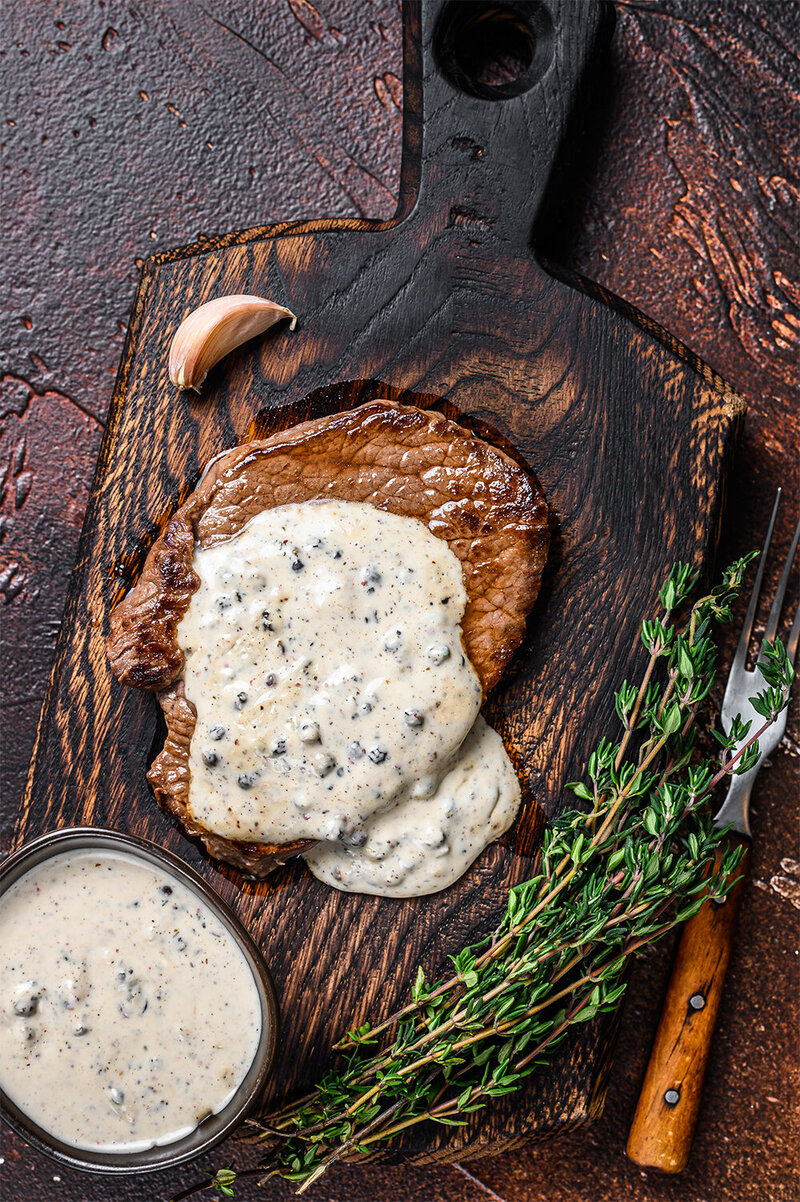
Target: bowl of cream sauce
[{"x": 138, "y": 1020}]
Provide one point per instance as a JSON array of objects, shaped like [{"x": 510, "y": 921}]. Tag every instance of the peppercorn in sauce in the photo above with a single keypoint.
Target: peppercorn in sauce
[
  {"x": 127, "y": 1010},
  {"x": 323, "y": 656}
]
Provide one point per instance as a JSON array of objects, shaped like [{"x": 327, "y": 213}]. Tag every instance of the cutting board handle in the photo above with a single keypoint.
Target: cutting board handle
[{"x": 479, "y": 142}]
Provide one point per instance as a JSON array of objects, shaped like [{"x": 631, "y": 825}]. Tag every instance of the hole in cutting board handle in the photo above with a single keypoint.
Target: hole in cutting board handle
[{"x": 494, "y": 51}]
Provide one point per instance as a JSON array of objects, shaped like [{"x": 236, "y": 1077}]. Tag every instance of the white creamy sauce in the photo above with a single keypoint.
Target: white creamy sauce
[
  {"x": 423, "y": 845},
  {"x": 333, "y": 694},
  {"x": 127, "y": 1011}
]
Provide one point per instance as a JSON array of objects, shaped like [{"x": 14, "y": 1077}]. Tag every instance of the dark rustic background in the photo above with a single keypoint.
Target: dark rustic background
[{"x": 129, "y": 128}]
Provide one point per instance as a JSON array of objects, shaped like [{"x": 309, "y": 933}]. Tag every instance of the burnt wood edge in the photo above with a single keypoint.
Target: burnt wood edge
[
  {"x": 736, "y": 410},
  {"x": 737, "y": 405},
  {"x": 408, "y": 199},
  {"x": 608, "y": 1025}
]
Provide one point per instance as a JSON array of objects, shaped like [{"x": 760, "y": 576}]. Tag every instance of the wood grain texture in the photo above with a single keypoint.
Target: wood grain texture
[
  {"x": 664, "y": 1121},
  {"x": 444, "y": 300},
  {"x": 649, "y": 133}
]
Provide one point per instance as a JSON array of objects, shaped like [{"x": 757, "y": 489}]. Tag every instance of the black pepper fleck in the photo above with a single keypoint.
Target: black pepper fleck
[
  {"x": 371, "y": 578},
  {"x": 26, "y": 1006}
]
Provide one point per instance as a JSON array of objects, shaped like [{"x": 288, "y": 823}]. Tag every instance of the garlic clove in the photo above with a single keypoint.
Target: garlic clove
[{"x": 216, "y": 328}]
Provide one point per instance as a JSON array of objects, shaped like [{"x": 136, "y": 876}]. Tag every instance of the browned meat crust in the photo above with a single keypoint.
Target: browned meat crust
[
  {"x": 408, "y": 461},
  {"x": 169, "y": 777}
]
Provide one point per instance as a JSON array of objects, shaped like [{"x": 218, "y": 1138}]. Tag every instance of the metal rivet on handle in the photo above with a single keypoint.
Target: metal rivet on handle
[
  {"x": 697, "y": 1001},
  {"x": 672, "y": 1097}
]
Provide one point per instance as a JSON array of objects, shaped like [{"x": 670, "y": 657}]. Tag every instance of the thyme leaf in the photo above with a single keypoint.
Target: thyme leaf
[{"x": 616, "y": 874}]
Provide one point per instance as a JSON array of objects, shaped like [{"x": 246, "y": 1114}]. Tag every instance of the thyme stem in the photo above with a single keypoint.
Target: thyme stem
[{"x": 610, "y": 881}]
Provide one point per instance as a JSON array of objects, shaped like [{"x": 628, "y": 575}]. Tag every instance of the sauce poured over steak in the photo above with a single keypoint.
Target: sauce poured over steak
[{"x": 404, "y": 460}]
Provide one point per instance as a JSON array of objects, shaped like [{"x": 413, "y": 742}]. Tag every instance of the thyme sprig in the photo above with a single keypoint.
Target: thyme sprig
[{"x": 613, "y": 877}]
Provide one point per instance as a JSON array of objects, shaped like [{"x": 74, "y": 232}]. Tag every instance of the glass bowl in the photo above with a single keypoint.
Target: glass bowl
[{"x": 215, "y": 1127}]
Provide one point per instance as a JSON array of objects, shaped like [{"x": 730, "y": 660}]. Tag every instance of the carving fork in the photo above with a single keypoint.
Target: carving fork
[{"x": 664, "y": 1121}]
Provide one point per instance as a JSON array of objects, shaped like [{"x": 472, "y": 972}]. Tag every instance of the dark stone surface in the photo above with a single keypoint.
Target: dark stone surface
[{"x": 678, "y": 190}]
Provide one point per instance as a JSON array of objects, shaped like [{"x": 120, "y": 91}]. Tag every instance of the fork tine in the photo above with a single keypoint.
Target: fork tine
[
  {"x": 777, "y": 604},
  {"x": 740, "y": 658}
]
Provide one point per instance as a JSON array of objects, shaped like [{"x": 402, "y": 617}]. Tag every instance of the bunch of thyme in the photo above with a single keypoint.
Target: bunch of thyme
[{"x": 612, "y": 878}]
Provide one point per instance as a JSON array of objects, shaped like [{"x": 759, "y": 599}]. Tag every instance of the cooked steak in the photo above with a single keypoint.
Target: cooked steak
[{"x": 405, "y": 460}]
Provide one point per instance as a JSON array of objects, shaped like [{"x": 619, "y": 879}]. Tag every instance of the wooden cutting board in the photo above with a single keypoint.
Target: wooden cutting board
[{"x": 629, "y": 433}]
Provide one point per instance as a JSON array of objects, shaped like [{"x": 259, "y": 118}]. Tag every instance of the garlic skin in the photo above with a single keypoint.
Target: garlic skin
[{"x": 216, "y": 328}]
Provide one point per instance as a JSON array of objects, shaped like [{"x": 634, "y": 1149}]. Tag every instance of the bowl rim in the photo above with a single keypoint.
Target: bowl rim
[{"x": 158, "y": 1157}]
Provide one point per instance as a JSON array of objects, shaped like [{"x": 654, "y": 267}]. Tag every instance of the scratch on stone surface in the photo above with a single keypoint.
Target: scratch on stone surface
[
  {"x": 389, "y": 90},
  {"x": 14, "y": 473},
  {"x": 22, "y": 487},
  {"x": 485, "y": 1189},
  {"x": 19, "y": 455},
  {"x": 310, "y": 19},
  {"x": 721, "y": 220},
  {"x": 20, "y": 479},
  {"x": 111, "y": 41},
  {"x": 651, "y": 11},
  {"x": 16, "y": 394},
  {"x": 251, "y": 45},
  {"x": 785, "y": 883},
  {"x": 12, "y": 582},
  {"x": 334, "y": 160}
]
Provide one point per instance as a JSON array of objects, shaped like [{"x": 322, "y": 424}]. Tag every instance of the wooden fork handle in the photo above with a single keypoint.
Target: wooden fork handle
[{"x": 663, "y": 1124}]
